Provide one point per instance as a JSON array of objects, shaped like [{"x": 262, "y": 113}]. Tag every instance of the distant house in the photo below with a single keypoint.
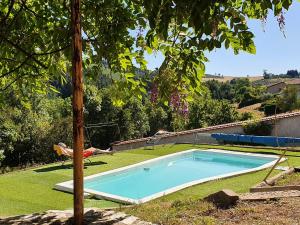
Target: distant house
[{"x": 278, "y": 87}]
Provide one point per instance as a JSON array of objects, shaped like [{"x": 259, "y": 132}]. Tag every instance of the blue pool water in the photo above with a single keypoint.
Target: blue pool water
[{"x": 157, "y": 176}]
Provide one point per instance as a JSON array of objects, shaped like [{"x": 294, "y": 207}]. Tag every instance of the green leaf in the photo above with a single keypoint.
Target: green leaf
[{"x": 53, "y": 89}]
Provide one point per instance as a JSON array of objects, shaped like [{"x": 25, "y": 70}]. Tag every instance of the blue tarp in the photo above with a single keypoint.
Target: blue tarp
[{"x": 263, "y": 140}]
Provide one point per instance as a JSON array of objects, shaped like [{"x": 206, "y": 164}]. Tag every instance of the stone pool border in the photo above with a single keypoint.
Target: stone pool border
[{"x": 68, "y": 185}]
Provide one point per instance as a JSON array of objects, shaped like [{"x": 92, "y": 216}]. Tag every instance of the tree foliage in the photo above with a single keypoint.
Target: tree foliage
[
  {"x": 27, "y": 134},
  {"x": 260, "y": 128},
  {"x": 238, "y": 90},
  {"x": 205, "y": 111},
  {"x": 288, "y": 100},
  {"x": 288, "y": 74},
  {"x": 35, "y": 55},
  {"x": 35, "y": 38}
]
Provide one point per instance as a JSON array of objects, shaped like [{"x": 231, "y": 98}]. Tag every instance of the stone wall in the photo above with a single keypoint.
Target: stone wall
[{"x": 285, "y": 125}]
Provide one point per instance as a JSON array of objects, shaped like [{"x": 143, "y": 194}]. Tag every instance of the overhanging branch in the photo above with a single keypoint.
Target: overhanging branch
[
  {"x": 15, "y": 80},
  {"x": 15, "y": 69},
  {"x": 23, "y": 51},
  {"x": 54, "y": 51},
  {"x": 11, "y": 5}
]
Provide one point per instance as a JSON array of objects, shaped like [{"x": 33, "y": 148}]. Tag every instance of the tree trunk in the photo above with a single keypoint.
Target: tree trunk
[{"x": 78, "y": 139}]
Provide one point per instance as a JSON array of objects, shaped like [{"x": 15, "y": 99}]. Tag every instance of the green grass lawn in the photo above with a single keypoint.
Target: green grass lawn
[{"x": 28, "y": 191}]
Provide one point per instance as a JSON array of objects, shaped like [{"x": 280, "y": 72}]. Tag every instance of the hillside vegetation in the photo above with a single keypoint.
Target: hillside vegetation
[{"x": 29, "y": 128}]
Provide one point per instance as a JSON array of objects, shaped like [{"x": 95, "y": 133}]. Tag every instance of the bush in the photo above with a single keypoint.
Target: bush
[
  {"x": 246, "y": 116},
  {"x": 258, "y": 128},
  {"x": 269, "y": 107},
  {"x": 288, "y": 101}
]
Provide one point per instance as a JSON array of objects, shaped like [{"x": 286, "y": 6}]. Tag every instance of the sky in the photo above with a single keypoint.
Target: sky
[{"x": 274, "y": 52}]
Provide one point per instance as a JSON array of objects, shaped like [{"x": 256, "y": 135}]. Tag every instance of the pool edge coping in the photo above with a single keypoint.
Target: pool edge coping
[{"x": 67, "y": 186}]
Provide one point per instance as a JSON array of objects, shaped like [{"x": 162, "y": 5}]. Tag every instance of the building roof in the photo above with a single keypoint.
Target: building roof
[
  {"x": 294, "y": 81},
  {"x": 211, "y": 128},
  {"x": 271, "y": 85}
]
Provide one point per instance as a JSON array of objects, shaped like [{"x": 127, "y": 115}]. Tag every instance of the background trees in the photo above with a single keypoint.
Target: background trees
[
  {"x": 288, "y": 74},
  {"x": 27, "y": 134}
]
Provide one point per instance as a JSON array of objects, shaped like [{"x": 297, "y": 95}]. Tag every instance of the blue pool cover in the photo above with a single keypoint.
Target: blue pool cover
[{"x": 263, "y": 140}]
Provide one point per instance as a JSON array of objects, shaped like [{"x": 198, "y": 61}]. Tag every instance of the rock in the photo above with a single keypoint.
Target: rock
[
  {"x": 107, "y": 213},
  {"x": 128, "y": 221},
  {"x": 223, "y": 199},
  {"x": 92, "y": 216},
  {"x": 117, "y": 216}
]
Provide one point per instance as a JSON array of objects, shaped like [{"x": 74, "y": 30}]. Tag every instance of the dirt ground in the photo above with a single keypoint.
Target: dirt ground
[
  {"x": 278, "y": 212},
  {"x": 292, "y": 179},
  {"x": 281, "y": 212}
]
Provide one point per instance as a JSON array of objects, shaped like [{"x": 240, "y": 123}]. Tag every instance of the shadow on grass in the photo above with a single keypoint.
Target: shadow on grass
[{"x": 68, "y": 166}]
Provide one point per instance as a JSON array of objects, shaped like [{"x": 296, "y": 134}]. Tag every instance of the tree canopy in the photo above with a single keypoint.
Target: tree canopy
[{"x": 35, "y": 39}]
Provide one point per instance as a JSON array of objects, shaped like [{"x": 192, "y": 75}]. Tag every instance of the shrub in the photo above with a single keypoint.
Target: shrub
[
  {"x": 258, "y": 128},
  {"x": 269, "y": 108},
  {"x": 288, "y": 101},
  {"x": 246, "y": 116}
]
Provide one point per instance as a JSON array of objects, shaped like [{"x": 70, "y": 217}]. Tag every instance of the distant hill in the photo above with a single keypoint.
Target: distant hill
[{"x": 222, "y": 78}]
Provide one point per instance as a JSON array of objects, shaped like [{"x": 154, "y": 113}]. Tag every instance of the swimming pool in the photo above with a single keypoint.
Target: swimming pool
[{"x": 154, "y": 178}]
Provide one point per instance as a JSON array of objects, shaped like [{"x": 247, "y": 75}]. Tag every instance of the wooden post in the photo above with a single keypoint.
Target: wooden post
[{"x": 78, "y": 139}]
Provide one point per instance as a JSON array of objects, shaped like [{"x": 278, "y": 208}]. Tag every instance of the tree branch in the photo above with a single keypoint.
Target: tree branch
[
  {"x": 15, "y": 69},
  {"x": 12, "y": 82},
  {"x": 6, "y": 27},
  {"x": 54, "y": 51},
  {"x": 26, "y": 63},
  {"x": 12, "y": 2},
  {"x": 23, "y": 51},
  {"x": 23, "y": 3}
]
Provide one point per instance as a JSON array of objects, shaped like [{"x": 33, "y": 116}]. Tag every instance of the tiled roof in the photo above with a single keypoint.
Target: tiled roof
[
  {"x": 294, "y": 81},
  {"x": 211, "y": 128},
  {"x": 271, "y": 85}
]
